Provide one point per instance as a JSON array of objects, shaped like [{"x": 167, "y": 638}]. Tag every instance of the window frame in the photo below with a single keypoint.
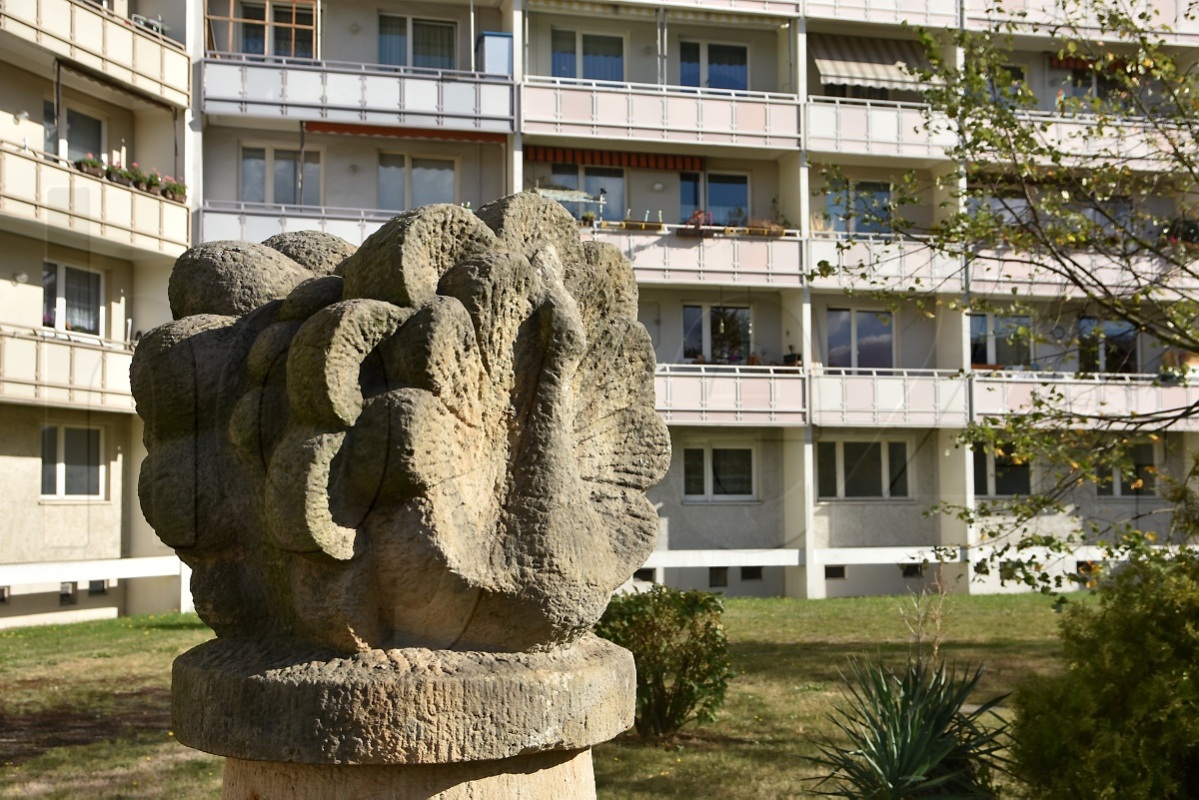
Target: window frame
[
  {"x": 1099, "y": 343},
  {"x": 410, "y": 40},
  {"x": 991, "y": 465},
  {"x": 706, "y": 330},
  {"x": 578, "y": 209},
  {"x": 992, "y": 337},
  {"x": 235, "y": 20},
  {"x": 885, "y": 451},
  {"x": 685, "y": 216},
  {"x": 579, "y": 34},
  {"x": 269, "y": 172},
  {"x": 709, "y": 496},
  {"x": 845, "y": 225},
  {"x": 1114, "y": 480},
  {"x": 62, "y": 141},
  {"x": 60, "y": 484},
  {"x": 705, "y": 63},
  {"x": 409, "y": 158},
  {"x": 60, "y": 300},
  {"x": 853, "y": 337}
]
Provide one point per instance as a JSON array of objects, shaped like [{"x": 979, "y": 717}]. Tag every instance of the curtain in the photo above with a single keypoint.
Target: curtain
[
  {"x": 689, "y": 66},
  {"x": 391, "y": 182},
  {"x": 432, "y": 181},
  {"x": 393, "y": 41},
  {"x": 81, "y": 454},
  {"x": 562, "y": 54},
  {"x": 603, "y": 58},
  {"x": 728, "y": 67},
  {"x": 253, "y": 175},
  {"x": 432, "y": 45},
  {"x": 82, "y": 292}
]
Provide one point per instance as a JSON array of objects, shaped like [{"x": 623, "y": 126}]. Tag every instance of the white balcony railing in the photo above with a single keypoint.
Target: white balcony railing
[
  {"x": 254, "y": 222},
  {"x": 1048, "y": 15},
  {"x": 58, "y": 369},
  {"x": 881, "y": 261},
  {"x": 653, "y": 113},
  {"x": 699, "y": 394},
  {"x": 890, "y": 398},
  {"x": 873, "y": 127},
  {"x": 685, "y": 254},
  {"x": 931, "y": 13},
  {"x": 329, "y": 91},
  {"x": 119, "y": 48},
  {"x": 1134, "y": 399},
  {"x": 40, "y": 188}
]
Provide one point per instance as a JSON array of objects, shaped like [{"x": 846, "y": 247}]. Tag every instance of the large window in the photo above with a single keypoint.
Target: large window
[
  {"x": 85, "y": 133},
  {"x": 406, "y": 182},
  {"x": 586, "y": 55},
  {"x": 407, "y": 42},
  {"x": 72, "y": 299},
  {"x": 282, "y": 177},
  {"x": 718, "y": 473},
  {"x": 849, "y": 469},
  {"x": 1003, "y": 341},
  {"x": 605, "y": 182},
  {"x": 272, "y": 28},
  {"x": 999, "y": 473},
  {"x": 724, "y": 198},
  {"x": 860, "y": 339},
  {"x": 1137, "y": 478},
  {"x": 71, "y": 465},
  {"x": 1107, "y": 346},
  {"x": 714, "y": 66},
  {"x": 859, "y": 208},
  {"x": 717, "y": 334}
]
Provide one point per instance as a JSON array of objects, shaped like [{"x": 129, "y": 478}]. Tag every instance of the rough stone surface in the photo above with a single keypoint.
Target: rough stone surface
[
  {"x": 230, "y": 278},
  {"x": 316, "y": 251}
]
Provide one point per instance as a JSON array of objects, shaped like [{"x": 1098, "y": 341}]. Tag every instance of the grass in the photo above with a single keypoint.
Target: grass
[{"x": 85, "y": 708}]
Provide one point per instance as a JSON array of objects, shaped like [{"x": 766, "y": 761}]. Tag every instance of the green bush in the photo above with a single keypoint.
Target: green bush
[
  {"x": 1122, "y": 720},
  {"x": 678, "y": 641},
  {"x": 909, "y": 737}
]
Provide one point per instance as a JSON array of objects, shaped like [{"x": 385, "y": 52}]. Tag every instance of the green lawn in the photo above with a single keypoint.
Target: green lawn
[{"x": 85, "y": 709}]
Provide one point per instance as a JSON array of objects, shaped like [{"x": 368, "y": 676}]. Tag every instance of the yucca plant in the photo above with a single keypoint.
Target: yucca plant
[{"x": 910, "y": 737}]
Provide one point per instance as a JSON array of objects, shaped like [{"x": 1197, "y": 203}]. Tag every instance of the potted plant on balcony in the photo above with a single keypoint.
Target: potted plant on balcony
[
  {"x": 696, "y": 225},
  {"x": 137, "y": 177},
  {"x": 90, "y": 165},
  {"x": 643, "y": 225},
  {"x": 117, "y": 174},
  {"x": 153, "y": 182},
  {"x": 173, "y": 189},
  {"x": 764, "y": 227}
]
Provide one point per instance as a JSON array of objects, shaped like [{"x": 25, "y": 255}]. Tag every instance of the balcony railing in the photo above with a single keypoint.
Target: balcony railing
[
  {"x": 330, "y": 91},
  {"x": 704, "y": 394},
  {"x": 881, "y": 261},
  {"x": 653, "y": 113},
  {"x": 873, "y": 127},
  {"x": 59, "y": 369},
  {"x": 898, "y": 398},
  {"x": 1131, "y": 399},
  {"x": 686, "y": 254},
  {"x": 1048, "y": 13},
  {"x": 119, "y": 48},
  {"x": 931, "y": 13},
  {"x": 1006, "y": 270},
  {"x": 40, "y": 188},
  {"x": 254, "y": 222}
]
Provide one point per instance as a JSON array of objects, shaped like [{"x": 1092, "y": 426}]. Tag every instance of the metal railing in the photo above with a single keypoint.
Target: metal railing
[
  {"x": 876, "y": 127},
  {"x": 937, "y": 13},
  {"x": 57, "y": 368},
  {"x": 253, "y": 222},
  {"x": 920, "y": 398},
  {"x": 718, "y": 394}
]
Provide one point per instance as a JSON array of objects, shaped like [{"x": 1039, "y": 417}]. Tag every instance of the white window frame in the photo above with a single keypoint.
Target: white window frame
[
  {"x": 703, "y": 61},
  {"x": 408, "y": 159},
  {"x": 60, "y": 482},
  {"x": 1116, "y": 486},
  {"x": 269, "y": 25},
  {"x": 268, "y": 192},
  {"x": 992, "y": 319},
  {"x": 60, "y": 300},
  {"x": 884, "y": 449},
  {"x": 409, "y": 20},
  {"x": 579, "y": 34},
  {"x": 989, "y": 489},
  {"x": 706, "y": 328},
  {"x": 1100, "y": 326},
  {"x": 62, "y": 142},
  {"x": 852, "y": 220},
  {"x": 709, "y": 496},
  {"x": 853, "y": 335}
]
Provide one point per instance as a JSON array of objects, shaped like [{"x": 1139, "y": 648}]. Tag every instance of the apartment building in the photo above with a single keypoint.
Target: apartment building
[{"x": 812, "y": 427}]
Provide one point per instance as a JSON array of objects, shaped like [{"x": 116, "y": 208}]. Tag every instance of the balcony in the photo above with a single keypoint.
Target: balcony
[
  {"x": 882, "y": 262},
  {"x": 254, "y": 222},
  {"x": 641, "y": 112},
  {"x": 329, "y": 91},
  {"x": 891, "y": 398},
  {"x": 41, "y": 195},
  {"x": 979, "y": 15},
  {"x": 685, "y": 254},
  {"x": 930, "y": 13},
  {"x": 1007, "y": 271},
  {"x": 872, "y": 127},
  {"x": 51, "y": 368},
  {"x": 1131, "y": 399},
  {"x": 123, "y": 50},
  {"x": 703, "y": 394}
]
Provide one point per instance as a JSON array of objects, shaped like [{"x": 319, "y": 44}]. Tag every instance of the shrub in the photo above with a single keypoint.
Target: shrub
[
  {"x": 909, "y": 737},
  {"x": 682, "y": 654},
  {"x": 1122, "y": 720}
]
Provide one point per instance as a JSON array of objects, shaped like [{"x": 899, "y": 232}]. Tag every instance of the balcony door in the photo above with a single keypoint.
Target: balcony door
[
  {"x": 714, "y": 66},
  {"x": 860, "y": 340}
]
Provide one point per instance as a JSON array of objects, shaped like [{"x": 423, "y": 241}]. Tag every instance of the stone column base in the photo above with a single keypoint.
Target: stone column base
[{"x": 559, "y": 775}]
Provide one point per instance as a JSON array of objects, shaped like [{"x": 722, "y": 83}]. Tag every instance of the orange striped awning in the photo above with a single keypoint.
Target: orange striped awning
[
  {"x": 440, "y": 134},
  {"x": 610, "y": 158}
]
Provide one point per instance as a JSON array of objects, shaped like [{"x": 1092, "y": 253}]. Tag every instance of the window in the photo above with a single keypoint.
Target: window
[
  {"x": 859, "y": 208},
  {"x": 586, "y": 55},
  {"x": 860, "y": 339},
  {"x": 751, "y": 573},
  {"x": 1000, "y": 340},
  {"x": 834, "y": 572},
  {"x": 848, "y": 470},
  {"x": 725, "y": 198},
  {"x": 85, "y": 133},
  {"x": 606, "y": 182},
  {"x": 72, "y": 299},
  {"x": 410, "y": 182},
  {"x": 718, "y": 577},
  {"x": 1007, "y": 83},
  {"x": 5, "y": 593},
  {"x": 274, "y": 175},
  {"x": 67, "y": 593},
  {"x": 1137, "y": 479},
  {"x": 71, "y": 465},
  {"x": 912, "y": 570},
  {"x": 647, "y": 574},
  {"x": 274, "y": 28},
  {"x": 717, "y": 334},
  {"x": 425, "y": 44},
  {"x": 718, "y": 473},
  {"x": 1107, "y": 346},
  {"x": 715, "y": 66},
  {"x": 999, "y": 473},
  {"x": 97, "y": 587}
]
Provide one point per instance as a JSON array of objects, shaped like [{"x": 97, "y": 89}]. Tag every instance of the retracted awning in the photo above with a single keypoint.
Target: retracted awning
[
  {"x": 880, "y": 63},
  {"x": 567, "y": 195}
]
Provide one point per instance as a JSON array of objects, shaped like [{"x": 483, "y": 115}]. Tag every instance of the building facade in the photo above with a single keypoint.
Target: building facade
[{"x": 812, "y": 426}]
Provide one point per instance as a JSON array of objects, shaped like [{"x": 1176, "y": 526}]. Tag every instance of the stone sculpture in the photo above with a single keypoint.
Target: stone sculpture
[{"x": 407, "y": 479}]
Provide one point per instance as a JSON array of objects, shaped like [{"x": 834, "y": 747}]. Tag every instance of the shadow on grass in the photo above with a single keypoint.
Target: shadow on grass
[{"x": 177, "y": 625}]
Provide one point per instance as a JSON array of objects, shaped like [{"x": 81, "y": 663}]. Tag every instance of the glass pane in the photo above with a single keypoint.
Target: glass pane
[
  {"x": 603, "y": 58},
  {"x": 836, "y": 206},
  {"x": 732, "y": 472},
  {"x": 1141, "y": 478},
  {"x": 562, "y": 55},
  {"x": 693, "y": 332},
  {"x": 1010, "y": 478},
  {"x": 693, "y": 472},
  {"x": 49, "y": 295},
  {"x": 253, "y": 175},
  {"x": 49, "y": 128},
  {"x": 826, "y": 469},
  {"x": 391, "y": 182},
  {"x": 432, "y": 45},
  {"x": 689, "y": 197},
  {"x": 1120, "y": 347},
  {"x": 730, "y": 335},
  {"x": 566, "y": 176},
  {"x": 728, "y": 67},
  {"x": 1012, "y": 345},
  {"x": 872, "y": 208},
  {"x": 82, "y": 290},
  {"x": 728, "y": 199},
  {"x": 432, "y": 181},
  {"x": 689, "y": 64},
  {"x": 281, "y": 31},
  {"x": 1088, "y": 345},
  {"x": 897, "y": 463},
  {"x": 609, "y": 182},
  {"x": 81, "y": 454},
  {"x": 253, "y": 35},
  {"x": 863, "y": 469},
  {"x": 303, "y": 42},
  {"x": 980, "y": 470},
  {"x": 393, "y": 42},
  {"x": 83, "y": 135},
  {"x": 875, "y": 338},
  {"x": 286, "y": 177},
  {"x": 50, "y": 461},
  {"x": 840, "y": 343},
  {"x": 312, "y": 179},
  {"x": 978, "y": 339}
]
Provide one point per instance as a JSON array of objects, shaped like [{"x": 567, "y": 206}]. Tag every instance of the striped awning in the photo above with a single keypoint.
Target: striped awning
[
  {"x": 666, "y": 162},
  {"x": 854, "y": 61}
]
